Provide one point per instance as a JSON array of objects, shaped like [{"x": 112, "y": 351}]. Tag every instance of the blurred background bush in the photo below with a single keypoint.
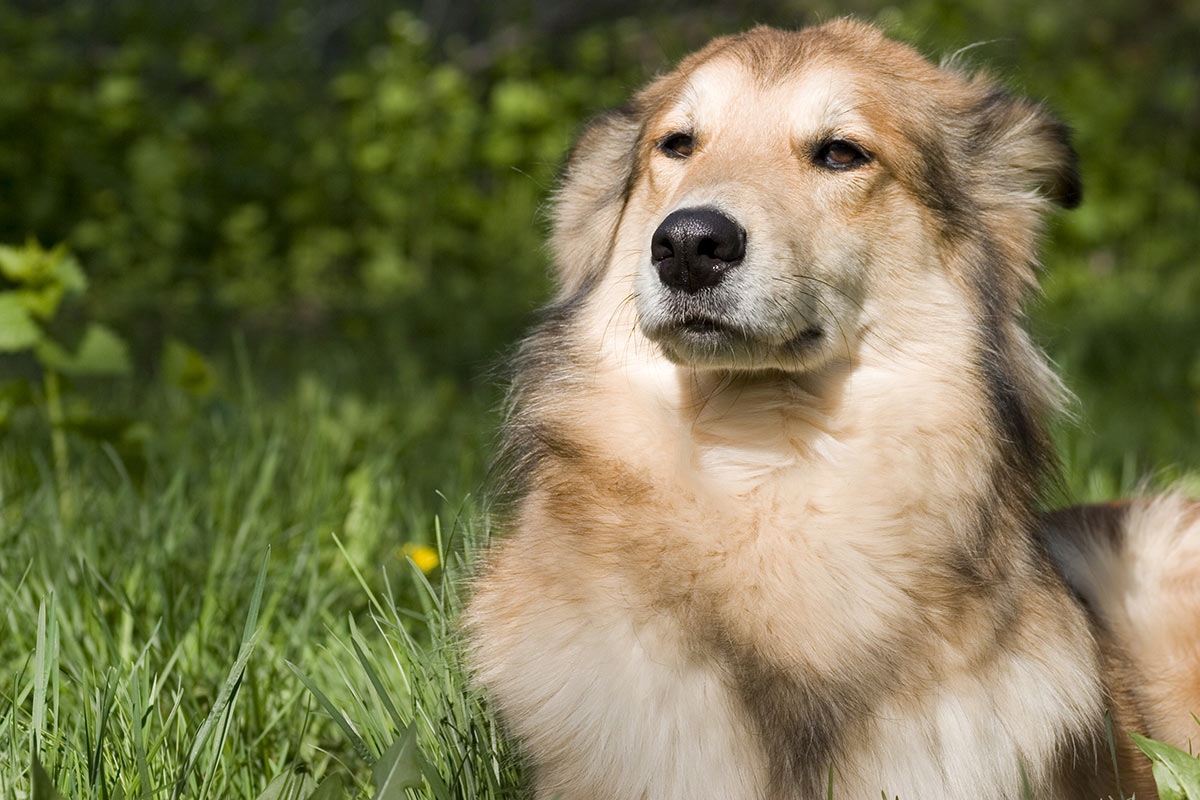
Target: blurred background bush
[{"x": 357, "y": 188}]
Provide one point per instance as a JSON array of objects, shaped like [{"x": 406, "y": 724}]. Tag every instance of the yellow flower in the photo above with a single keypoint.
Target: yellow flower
[{"x": 424, "y": 556}]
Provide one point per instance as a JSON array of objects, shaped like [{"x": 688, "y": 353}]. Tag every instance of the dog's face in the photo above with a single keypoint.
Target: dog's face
[
  {"x": 777, "y": 184},
  {"x": 763, "y": 203}
]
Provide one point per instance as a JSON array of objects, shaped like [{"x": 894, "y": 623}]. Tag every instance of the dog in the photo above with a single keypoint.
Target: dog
[{"x": 774, "y": 456}]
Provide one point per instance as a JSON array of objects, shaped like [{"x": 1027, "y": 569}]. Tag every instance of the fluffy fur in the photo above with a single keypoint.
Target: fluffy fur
[{"x": 782, "y": 531}]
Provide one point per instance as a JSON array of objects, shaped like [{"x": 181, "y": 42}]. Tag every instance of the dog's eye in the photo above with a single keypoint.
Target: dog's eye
[
  {"x": 840, "y": 154},
  {"x": 677, "y": 145}
]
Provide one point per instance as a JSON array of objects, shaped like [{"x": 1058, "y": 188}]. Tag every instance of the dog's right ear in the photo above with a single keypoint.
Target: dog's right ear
[
  {"x": 592, "y": 191},
  {"x": 1028, "y": 146}
]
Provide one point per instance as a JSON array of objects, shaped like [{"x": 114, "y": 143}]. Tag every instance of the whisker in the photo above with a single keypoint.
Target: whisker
[{"x": 868, "y": 341}]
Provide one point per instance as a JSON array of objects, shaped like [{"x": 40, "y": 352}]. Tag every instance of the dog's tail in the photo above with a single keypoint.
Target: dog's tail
[{"x": 1136, "y": 566}]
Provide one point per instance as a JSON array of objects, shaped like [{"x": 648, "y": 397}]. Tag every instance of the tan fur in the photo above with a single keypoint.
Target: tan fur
[
  {"x": 1144, "y": 587},
  {"x": 809, "y": 548}
]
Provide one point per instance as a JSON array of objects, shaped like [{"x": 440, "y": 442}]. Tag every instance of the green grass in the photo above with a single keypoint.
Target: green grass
[
  {"x": 243, "y": 605},
  {"x": 231, "y": 601}
]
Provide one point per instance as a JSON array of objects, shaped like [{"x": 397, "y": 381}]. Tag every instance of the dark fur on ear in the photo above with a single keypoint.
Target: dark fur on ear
[
  {"x": 592, "y": 191},
  {"x": 1023, "y": 145}
]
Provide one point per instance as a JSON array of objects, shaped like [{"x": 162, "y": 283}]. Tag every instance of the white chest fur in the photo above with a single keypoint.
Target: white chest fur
[
  {"x": 617, "y": 709},
  {"x": 979, "y": 736},
  {"x": 620, "y": 710}
]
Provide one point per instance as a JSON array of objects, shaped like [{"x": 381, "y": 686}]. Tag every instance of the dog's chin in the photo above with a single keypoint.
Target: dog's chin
[{"x": 702, "y": 343}]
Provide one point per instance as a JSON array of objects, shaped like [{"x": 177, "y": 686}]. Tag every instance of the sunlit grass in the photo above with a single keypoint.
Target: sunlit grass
[{"x": 158, "y": 642}]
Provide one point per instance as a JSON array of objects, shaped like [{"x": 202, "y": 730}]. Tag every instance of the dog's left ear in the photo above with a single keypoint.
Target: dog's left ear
[
  {"x": 1024, "y": 145},
  {"x": 593, "y": 188}
]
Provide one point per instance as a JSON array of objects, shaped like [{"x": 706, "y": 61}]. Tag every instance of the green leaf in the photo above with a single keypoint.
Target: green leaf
[
  {"x": 330, "y": 789},
  {"x": 184, "y": 368},
  {"x": 41, "y": 301},
  {"x": 101, "y": 352},
  {"x": 399, "y": 767},
  {"x": 10, "y": 261},
  {"x": 18, "y": 331},
  {"x": 43, "y": 788},
  {"x": 1176, "y": 772},
  {"x": 69, "y": 275},
  {"x": 33, "y": 266},
  {"x": 52, "y": 354},
  {"x": 295, "y": 783}
]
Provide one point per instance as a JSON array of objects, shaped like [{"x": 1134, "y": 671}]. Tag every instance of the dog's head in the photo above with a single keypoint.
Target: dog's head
[{"x": 778, "y": 189}]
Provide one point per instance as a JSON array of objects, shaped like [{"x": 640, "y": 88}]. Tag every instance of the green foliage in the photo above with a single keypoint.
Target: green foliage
[
  {"x": 35, "y": 282},
  {"x": 1176, "y": 773},
  {"x": 340, "y": 162},
  {"x": 38, "y": 280},
  {"x": 185, "y": 368},
  {"x": 296, "y": 783},
  {"x": 222, "y": 169}
]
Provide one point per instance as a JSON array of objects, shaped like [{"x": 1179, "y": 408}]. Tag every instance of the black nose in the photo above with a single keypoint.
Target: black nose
[{"x": 693, "y": 248}]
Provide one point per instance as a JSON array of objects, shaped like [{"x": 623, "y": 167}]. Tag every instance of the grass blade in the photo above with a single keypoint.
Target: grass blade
[
  {"x": 356, "y": 741},
  {"x": 373, "y": 676},
  {"x": 39, "y": 680},
  {"x": 229, "y": 689},
  {"x": 399, "y": 767},
  {"x": 96, "y": 766}
]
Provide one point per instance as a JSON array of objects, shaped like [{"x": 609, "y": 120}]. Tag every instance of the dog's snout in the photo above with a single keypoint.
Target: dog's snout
[{"x": 693, "y": 248}]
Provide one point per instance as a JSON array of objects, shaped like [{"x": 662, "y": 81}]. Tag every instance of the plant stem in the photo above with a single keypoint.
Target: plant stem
[{"x": 58, "y": 440}]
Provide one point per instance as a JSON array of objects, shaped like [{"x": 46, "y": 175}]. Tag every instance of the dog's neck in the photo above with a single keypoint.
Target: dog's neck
[
  {"x": 905, "y": 413},
  {"x": 849, "y": 421}
]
